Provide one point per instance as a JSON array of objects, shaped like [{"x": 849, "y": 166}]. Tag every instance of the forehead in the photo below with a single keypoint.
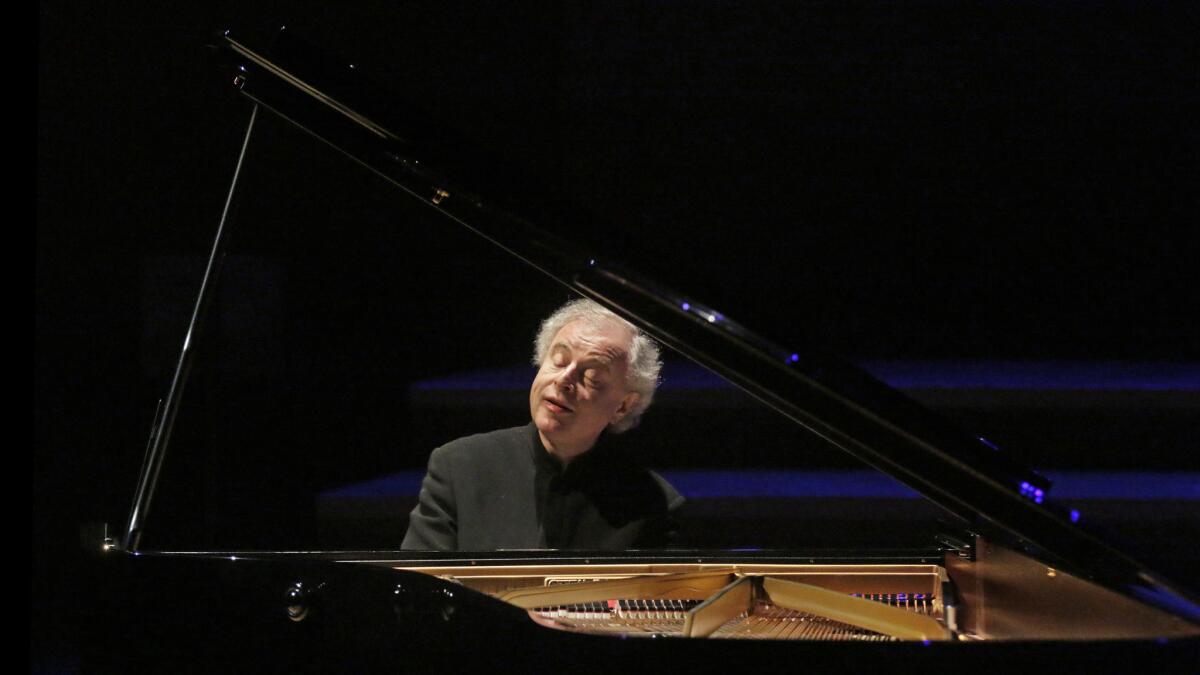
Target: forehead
[{"x": 604, "y": 340}]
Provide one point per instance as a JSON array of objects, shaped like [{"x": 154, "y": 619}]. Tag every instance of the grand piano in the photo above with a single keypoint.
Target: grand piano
[{"x": 1012, "y": 577}]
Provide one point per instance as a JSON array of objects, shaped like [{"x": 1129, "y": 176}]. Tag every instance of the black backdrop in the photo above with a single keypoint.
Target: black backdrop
[{"x": 892, "y": 180}]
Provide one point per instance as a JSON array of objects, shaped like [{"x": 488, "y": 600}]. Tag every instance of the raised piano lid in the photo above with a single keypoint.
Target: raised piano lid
[{"x": 964, "y": 475}]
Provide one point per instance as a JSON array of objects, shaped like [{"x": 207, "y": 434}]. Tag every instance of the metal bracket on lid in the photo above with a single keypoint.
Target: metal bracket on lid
[{"x": 960, "y": 547}]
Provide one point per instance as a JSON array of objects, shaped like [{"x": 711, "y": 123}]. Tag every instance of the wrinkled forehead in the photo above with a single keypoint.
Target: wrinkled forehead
[{"x": 604, "y": 339}]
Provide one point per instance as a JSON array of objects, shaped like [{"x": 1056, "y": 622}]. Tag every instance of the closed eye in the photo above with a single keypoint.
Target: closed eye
[{"x": 559, "y": 357}]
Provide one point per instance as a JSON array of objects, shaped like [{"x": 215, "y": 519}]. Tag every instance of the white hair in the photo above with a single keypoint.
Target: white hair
[{"x": 643, "y": 364}]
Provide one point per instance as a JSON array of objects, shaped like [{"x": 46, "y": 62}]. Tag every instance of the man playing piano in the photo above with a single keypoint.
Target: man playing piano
[{"x": 562, "y": 481}]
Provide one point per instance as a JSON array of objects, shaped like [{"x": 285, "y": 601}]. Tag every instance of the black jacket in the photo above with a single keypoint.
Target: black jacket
[{"x": 502, "y": 490}]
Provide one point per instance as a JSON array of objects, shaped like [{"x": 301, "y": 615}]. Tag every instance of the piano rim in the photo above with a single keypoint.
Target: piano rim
[{"x": 935, "y": 562}]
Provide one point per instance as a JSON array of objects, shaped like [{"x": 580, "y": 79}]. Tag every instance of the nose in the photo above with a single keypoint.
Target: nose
[{"x": 566, "y": 379}]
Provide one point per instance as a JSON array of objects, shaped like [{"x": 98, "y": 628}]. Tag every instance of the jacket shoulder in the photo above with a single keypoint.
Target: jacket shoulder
[{"x": 496, "y": 445}]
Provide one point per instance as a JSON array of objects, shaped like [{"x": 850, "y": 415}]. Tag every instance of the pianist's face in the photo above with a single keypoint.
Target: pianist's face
[{"x": 580, "y": 388}]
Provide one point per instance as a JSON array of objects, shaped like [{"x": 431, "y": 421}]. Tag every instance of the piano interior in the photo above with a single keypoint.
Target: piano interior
[
  {"x": 999, "y": 594},
  {"x": 757, "y": 601}
]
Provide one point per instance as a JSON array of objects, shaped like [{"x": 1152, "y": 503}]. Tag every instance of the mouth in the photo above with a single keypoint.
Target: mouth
[{"x": 556, "y": 405}]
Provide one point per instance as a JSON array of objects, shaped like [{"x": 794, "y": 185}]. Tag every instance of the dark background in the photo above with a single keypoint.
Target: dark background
[{"x": 917, "y": 180}]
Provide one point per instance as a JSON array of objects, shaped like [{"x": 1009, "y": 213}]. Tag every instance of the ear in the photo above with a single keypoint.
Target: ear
[{"x": 627, "y": 404}]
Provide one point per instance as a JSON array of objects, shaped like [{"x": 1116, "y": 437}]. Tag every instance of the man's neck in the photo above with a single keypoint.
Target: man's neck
[{"x": 565, "y": 453}]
